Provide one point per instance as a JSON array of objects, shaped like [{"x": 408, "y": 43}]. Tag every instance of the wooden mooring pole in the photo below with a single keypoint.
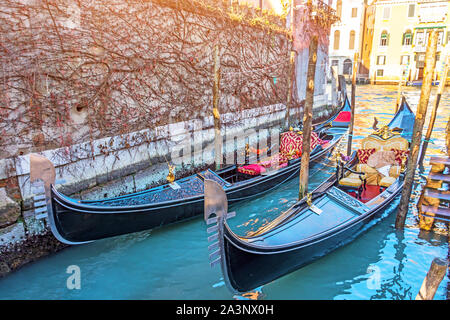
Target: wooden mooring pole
[
  {"x": 447, "y": 137},
  {"x": 334, "y": 85},
  {"x": 436, "y": 105},
  {"x": 448, "y": 259},
  {"x": 434, "y": 277},
  {"x": 307, "y": 117},
  {"x": 352, "y": 121},
  {"x": 399, "y": 92},
  {"x": 430, "y": 60},
  {"x": 216, "y": 96},
  {"x": 291, "y": 81}
]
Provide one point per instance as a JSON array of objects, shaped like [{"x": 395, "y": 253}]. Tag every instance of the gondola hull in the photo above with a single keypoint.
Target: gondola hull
[
  {"x": 334, "y": 214},
  {"x": 78, "y": 223},
  {"x": 246, "y": 268}
]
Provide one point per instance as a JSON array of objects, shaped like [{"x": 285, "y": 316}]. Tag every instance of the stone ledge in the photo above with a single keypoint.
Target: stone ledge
[
  {"x": 15, "y": 255},
  {"x": 9, "y": 209},
  {"x": 12, "y": 234}
]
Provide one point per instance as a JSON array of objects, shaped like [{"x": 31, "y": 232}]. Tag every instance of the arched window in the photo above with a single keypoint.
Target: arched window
[
  {"x": 407, "y": 38},
  {"x": 337, "y": 38},
  {"x": 384, "y": 38},
  {"x": 351, "y": 44},
  {"x": 348, "y": 66},
  {"x": 339, "y": 8}
]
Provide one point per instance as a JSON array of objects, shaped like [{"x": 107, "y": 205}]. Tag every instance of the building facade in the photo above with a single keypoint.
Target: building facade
[
  {"x": 346, "y": 35},
  {"x": 401, "y": 32},
  {"x": 367, "y": 34}
]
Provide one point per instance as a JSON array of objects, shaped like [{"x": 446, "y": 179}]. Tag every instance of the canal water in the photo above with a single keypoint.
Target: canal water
[{"x": 172, "y": 262}]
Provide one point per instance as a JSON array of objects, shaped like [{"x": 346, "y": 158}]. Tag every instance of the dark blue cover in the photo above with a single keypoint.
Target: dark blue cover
[
  {"x": 404, "y": 119},
  {"x": 346, "y": 109}
]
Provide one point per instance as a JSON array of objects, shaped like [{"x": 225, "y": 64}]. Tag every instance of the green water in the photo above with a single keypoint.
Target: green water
[{"x": 172, "y": 262}]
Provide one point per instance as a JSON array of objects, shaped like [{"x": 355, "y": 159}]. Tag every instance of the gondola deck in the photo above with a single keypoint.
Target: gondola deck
[
  {"x": 188, "y": 187},
  {"x": 307, "y": 223}
]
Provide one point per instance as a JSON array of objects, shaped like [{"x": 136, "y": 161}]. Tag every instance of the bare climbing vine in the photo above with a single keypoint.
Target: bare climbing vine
[{"x": 75, "y": 71}]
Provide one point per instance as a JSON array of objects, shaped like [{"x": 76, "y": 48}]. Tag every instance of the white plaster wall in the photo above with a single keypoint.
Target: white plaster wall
[{"x": 345, "y": 26}]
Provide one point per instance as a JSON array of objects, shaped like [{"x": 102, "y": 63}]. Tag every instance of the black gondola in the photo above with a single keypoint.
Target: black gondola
[
  {"x": 74, "y": 221},
  {"x": 332, "y": 215}
]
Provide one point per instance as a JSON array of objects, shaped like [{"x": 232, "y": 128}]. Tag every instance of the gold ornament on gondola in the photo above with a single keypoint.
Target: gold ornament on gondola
[
  {"x": 385, "y": 133},
  {"x": 403, "y": 166},
  {"x": 337, "y": 155},
  {"x": 309, "y": 199},
  {"x": 171, "y": 177}
]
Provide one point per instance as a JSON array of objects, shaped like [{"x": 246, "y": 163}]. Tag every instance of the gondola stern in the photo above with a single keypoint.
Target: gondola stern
[
  {"x": 403, "y": 119},
  {"x": 344, "y": 117},
  {"x": 215, "y": 215},
  {"x": 42, "y": 179}
]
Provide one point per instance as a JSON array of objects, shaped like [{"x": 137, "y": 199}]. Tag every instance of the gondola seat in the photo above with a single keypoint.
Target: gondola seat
[
  {"x": 252, "y": 169},
  {"x": 386, "y": 182},
  {"x": 370, "y": 146},
  {"x": 352, "y": 180},
  {"x": 394, "y": 173},
  {"x": 372, "y": 175}
]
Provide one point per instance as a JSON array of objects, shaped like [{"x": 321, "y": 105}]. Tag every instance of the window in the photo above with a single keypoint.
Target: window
[
  {"x": 384, "y": 38},
  {"x": 354, "y": 12},
  {"x": 407, "y": 38},
  {"x": 420, "y": 38},
  {"x": 411, "y": 10},
  {"x": 404, "y": 60},
  {"x": 337, "y": 36},
  {"x": 440, "y": 38},
  {"x": 334, "y": 63},
  {"x": 380, "y": 72},
  {"x": 386, "y": 13},
  {"x": 381, "y": 60},
  {"x": 351, "y": 45},
  {"x": 339, "y": 8},
  {"x": 348, "y": 66},
  {"x": 420, "y": 60}
]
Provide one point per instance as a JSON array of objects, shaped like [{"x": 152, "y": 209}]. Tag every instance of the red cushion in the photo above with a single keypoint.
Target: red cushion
[
  {"x": 364, "y": 154},
  {"x": 291, "y": 144},
  {"x": 344, "y": 116},
  {"x": 252, "y": 169},
  {"x": 282, "y": 159},
  {"x": 399, "y": 154}
]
